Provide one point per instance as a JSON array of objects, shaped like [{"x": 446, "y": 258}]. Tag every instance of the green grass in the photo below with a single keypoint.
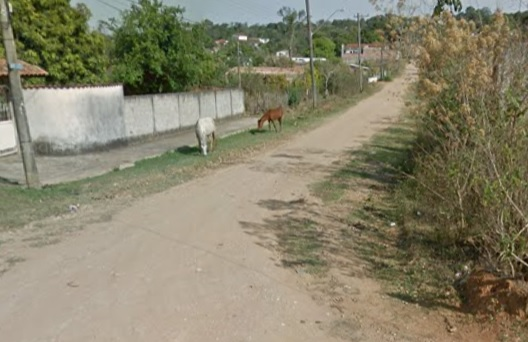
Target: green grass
[
  {"x": 404, "y": 256},
  {"x": 302, "y": 245},
  {"x": 381, "y": 160},
  {"x": 19, "y": 206}
]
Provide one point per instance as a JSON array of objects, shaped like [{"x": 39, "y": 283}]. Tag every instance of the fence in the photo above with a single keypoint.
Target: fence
[{"x": 83, "y": 119}]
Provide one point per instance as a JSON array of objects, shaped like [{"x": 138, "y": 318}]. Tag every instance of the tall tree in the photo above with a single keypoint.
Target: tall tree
[
  {"x": 454, "y": 5},
  {"x": 291, "y": 18},
  {"x": 56, "y": 37},
  {"x": 155, "y": 51},
  {"x": 324, "y": 47}
]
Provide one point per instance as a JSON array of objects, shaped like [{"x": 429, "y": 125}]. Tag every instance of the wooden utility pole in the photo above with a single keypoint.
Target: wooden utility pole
[
  {"x": 310, "y": 42},
  {"x": 382, "y": 76},
  {"x": 238, "y": 63},
  {"x": 17, "y": 98},
  {"x": 359, "y": 55}
]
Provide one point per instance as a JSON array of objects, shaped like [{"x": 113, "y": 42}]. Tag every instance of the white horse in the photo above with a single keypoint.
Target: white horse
[{"x": 205, "y": 128}]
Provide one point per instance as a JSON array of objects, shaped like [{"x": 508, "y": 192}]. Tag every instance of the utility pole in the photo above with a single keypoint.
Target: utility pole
[
  {"x": 381, "y": 61},
  {"x": 17, "y": 98},
  {"x": 310, "y": 42},
  {"x": 239, "y": 38},
  {"x": 238, "y": 58},
  {"x": 359, "y": 55}
]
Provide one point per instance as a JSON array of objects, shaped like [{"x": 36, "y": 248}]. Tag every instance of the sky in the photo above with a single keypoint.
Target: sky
[{"x": 265, "y": 11}]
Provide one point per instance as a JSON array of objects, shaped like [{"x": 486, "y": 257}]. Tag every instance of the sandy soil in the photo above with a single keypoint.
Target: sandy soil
[{"x": 197, "y": 263}]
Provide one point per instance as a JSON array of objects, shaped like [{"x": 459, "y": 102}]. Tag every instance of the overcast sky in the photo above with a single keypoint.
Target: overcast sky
[{"x": 264, "y": 11}]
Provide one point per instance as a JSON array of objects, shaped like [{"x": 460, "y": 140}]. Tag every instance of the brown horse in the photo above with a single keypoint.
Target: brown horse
[{"x": 271, "y": 115}]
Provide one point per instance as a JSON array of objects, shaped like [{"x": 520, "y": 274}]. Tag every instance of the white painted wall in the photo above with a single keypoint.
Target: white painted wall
[
  {"x": 8, "y": 141},
  {"x": 153, "y": 114},
  {"x": 74, "y": 120}
]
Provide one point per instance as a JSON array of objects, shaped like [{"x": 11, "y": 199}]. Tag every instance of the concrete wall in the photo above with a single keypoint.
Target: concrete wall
[
  {"x": 166, "y": 113},
  {"x": 223, "y": 104},
  {"x": 75, "y": 120},
  {"x": 70, "y": 120},
  {"x": 156, "y": 114},
  {"x": 237, "y": 100},
  {"x": 139, "y": 116},
  {"x": 189, "y": 105},
  {"x": 8, "y": 140},
  {"x": 208, "y": 105}
]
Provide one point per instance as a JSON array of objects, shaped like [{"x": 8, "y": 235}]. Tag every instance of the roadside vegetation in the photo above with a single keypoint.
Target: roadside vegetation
[{"x": 444, "y": 219}]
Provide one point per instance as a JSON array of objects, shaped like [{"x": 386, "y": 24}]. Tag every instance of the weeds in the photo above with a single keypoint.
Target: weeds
[
  {"x": 406, "y": 258},
  {"x": 470, "y": 177}
]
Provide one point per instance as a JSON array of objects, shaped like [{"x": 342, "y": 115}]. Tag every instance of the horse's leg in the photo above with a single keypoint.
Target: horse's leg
[
  {"x": 280, "y": 124},
  {"x": 274, "y": 126},
  {"x": 213, "y": 142},
  {"x": 269, "y": 125}
]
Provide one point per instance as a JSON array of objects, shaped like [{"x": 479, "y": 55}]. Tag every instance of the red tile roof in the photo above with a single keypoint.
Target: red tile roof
[{"x": 28, "y": 69}]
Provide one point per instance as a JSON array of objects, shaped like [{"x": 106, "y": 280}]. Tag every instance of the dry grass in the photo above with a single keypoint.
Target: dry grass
[{"x": 470, "y": 177}]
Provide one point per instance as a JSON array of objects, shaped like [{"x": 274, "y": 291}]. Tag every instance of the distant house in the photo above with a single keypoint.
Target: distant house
[
  {"x": 8, "y": 137},
  {"x": 282, "y": 53},
  {"x": 365, "y": 48},
  {"x": 221, "y": 42},
  {"x": 27, "y": 70},
  {"x": 240, "y": 36},
  {"x": 289, "y": 73},
  {"x": 369, "y": 52},
  {"x": 305, "y": 60},
  {"x": 257, "y": 42}
]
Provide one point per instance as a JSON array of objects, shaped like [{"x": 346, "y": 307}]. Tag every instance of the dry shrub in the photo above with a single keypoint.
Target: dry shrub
[
  {"x": 343, "y": 82},
  {"x": 262, "y": 92},
  {"x": 268, "y": 91},
  {"x": 472, "y": 152}
]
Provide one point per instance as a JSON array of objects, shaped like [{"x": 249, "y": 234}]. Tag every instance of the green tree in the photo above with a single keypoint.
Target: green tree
[
  {"x": 155, "y": 51},
  {"x": 291, "y": 18},
  {"x": 249, "y": 55},
  {"x": 56, "y": 37},
  {"x": 455, "y": 5},
  {"x": 327, "y": 69},
  {"x": 323, "y": 47}
]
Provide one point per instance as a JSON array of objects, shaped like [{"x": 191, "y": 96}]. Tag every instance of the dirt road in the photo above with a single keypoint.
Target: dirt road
[{"x": 184, "y": 265}]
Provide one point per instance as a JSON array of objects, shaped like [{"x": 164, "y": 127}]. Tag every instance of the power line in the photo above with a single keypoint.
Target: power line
[{"x": 110, "y": 5}]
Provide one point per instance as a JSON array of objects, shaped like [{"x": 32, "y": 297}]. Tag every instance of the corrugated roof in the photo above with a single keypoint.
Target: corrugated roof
[
  {"x": 27, "y": 70},
  {"x": 269, "y": 70}
]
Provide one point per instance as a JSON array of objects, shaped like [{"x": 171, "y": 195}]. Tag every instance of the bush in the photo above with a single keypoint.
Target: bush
[
  {"x": 261, "y": 92},
  {"x": 345, "y": 82},
  {"x": 294, "y": 96},
  {"x": 471, "y": 166}
]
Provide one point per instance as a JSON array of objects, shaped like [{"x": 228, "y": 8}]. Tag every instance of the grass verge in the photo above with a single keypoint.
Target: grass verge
[
  {"x": 370, "y": 192},
  {"x": 302, "y": 246},
  {"x": 19, "y": 206}
]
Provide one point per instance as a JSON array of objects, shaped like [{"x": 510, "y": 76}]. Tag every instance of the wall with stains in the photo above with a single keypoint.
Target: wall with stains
[{"x": 83, "y": 119}]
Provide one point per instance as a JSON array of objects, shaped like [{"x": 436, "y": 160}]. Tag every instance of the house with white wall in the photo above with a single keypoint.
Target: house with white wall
[{"x": 8, "y": 134}]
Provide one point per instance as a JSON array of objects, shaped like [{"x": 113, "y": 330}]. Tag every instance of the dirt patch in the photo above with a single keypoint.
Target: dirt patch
[{"x": 486, "y": 294}]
